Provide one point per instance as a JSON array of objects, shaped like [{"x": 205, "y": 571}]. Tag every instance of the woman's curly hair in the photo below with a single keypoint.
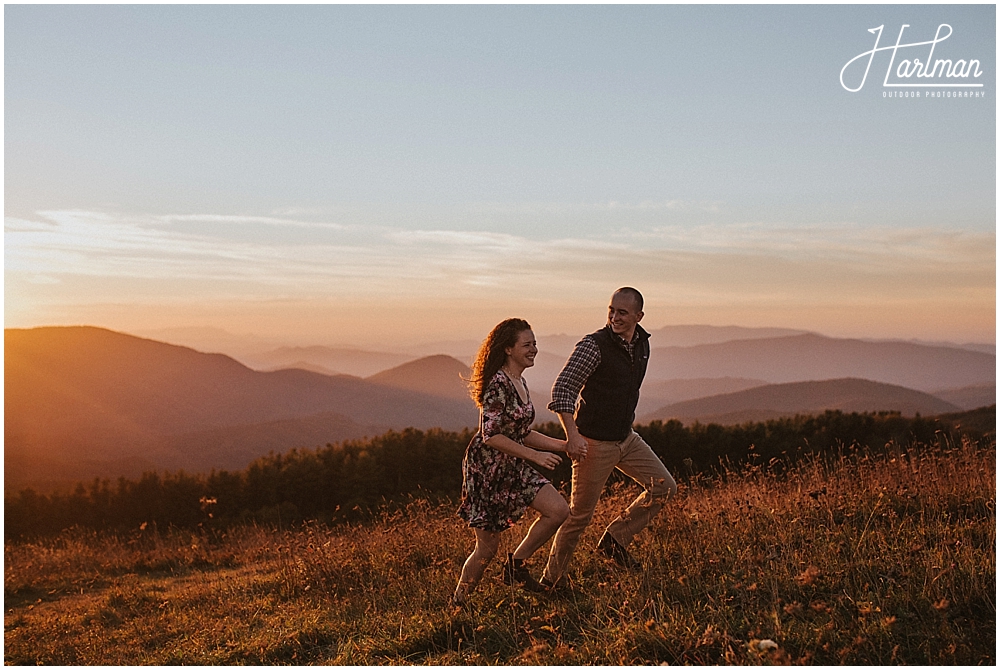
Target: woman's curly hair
[{"x": 492, "y": 354}]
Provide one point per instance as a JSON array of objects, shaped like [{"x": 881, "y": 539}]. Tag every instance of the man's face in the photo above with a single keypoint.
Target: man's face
[{"x": 623, "y": 315}]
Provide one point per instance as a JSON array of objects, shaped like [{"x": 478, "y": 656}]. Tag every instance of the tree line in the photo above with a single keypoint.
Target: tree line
[{"x": 348, "y": 479}]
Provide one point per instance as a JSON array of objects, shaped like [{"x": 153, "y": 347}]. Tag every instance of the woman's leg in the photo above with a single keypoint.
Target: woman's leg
[
  {"x": 553, "y": 510},
  {"x": 487, "y": 543}
]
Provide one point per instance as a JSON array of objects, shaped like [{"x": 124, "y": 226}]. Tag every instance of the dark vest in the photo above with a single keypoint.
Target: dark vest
[{"x": 608, "y": 399}]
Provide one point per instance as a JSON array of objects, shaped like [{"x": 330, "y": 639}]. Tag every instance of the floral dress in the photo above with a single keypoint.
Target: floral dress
[{"x": 498, "y": 487}]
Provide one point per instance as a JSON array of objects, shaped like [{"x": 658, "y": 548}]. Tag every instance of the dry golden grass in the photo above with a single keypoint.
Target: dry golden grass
[{"x": 864, "y": 560}]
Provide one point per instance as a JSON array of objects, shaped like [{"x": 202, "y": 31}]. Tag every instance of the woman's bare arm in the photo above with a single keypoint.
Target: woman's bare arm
[
  {"x": 508, "y": 446},
  {"x": 544, "y": 442}
]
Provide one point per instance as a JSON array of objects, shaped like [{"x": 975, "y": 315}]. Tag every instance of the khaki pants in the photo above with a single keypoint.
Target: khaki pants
[{"x": 634, "y": 458}]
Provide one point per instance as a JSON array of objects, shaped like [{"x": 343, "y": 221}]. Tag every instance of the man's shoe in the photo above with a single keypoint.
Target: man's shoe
[
  {"x": 610, "y": 547},
  {"x": 514, "y": 572},
  {"x": 559, "y": 585}
]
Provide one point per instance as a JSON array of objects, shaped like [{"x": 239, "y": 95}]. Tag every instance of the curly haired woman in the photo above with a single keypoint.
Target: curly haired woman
[{"x": 498, "y": 482}]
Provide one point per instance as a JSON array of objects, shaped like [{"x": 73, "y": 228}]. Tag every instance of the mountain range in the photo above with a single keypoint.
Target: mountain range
[
  {"x": 678, "y": 373},
  {"x": 82, "y": 402},
  {"x": 93, "y": 401},
  {"x": 811, "y": 357},
  {"x": 326, "y": 360},
  {"x": 263, "y": 354}
]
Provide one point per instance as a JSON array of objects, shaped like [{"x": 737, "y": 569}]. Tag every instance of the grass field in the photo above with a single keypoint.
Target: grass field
[{"x": 859, "y": 560}]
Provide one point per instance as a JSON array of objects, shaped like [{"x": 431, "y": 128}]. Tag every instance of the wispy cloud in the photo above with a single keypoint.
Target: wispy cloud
[
  {"x": 768, "y": 268},
  {"x": 96, "y": 243},
  {"x": 606, "y": 206},
  {"x": 842, "y": 242},
  {"x": 471, "y": 240},
  {"x": 243, "y": 220},
  {"x": 67, "y": 243}
]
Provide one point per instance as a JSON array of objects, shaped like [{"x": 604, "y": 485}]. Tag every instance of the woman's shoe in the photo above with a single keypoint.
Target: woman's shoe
[
  {"x": 514, "y": 572},
  {"x": 461, "y": 594}
]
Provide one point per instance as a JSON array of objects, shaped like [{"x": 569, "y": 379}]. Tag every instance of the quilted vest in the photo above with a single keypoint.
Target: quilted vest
[{"x": 609, "y": 397}]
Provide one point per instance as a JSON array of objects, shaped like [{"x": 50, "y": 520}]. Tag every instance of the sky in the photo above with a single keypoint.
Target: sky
[{"x": 375, "y": 175}]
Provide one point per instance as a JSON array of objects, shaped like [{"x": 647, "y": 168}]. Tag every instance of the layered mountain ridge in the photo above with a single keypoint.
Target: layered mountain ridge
[
  {"x": 82, "y": 401},
  {"x": 83, "y": 394}
]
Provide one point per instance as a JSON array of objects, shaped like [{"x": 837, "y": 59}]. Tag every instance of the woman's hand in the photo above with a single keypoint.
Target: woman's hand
[{"x": 546, "y": 459}]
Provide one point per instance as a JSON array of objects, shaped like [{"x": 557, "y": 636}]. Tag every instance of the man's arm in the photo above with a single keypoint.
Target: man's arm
[{"x": 581, "y": 364}]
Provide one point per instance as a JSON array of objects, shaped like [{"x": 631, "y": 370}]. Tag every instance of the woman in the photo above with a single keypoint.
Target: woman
[{"x": 498, "y": 483}]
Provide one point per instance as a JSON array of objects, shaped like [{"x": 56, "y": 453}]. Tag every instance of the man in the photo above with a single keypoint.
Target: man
[{"x": 606, "y": 370}]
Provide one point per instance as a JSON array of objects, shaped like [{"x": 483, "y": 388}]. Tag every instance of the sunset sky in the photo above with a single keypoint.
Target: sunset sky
[{"x": 372, "y": 175}]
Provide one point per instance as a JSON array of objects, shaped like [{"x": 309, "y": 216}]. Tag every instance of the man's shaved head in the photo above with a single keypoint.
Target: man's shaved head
[{"x": 634, "y": 294}]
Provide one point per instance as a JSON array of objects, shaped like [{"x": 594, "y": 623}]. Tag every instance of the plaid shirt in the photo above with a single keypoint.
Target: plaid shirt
[{"x": 582, "y": 362}]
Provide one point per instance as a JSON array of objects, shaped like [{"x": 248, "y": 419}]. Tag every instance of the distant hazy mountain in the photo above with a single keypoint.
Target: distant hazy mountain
[
  {"x": 87, "y": 395},
  {"x": 981, "y": 347},
  {"x": 970, "y": 397},
  {"x": 340, "y": 360},
  {"x": 670, "y": 336},
  {"x": 444, "y": 376},
  {"x": 210, "y": 340},
  {"x": 540, "y": 378},
  {"x": 689, "y": 336},
  {"x": 439, "y": 375},
  {"x": 659, "y": 393},
  {"x": 463, "y": 350},
  {"x": 810, "y": 357},
  {"x": 775, "y": 400},
  {"x": 304, "y": 365},
  {"x": 562, "y": 344}
]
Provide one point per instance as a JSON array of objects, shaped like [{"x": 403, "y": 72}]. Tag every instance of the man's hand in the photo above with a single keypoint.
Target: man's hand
[
  {"x": 576, "y": 447},
  {"x": 576, "y": 444}
]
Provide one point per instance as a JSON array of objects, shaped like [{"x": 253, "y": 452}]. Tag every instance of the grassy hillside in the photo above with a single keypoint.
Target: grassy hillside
[{"x": 854, "y": 560}]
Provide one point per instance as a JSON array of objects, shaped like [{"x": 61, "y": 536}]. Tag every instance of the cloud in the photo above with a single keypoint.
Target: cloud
[
  {"x": 456, "y": 239},
  {"x": 243, "y": 220},
  {"x": 16, "y": 225},
  {"x": 100, "y": 244},
  {"x": 87, "y": 257},
  {"x": 96, "y": 243},
  {"x": 841, "y": 242},
  {"x": 607, "y": 206},
  {"x": 653, "y": 205}
]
